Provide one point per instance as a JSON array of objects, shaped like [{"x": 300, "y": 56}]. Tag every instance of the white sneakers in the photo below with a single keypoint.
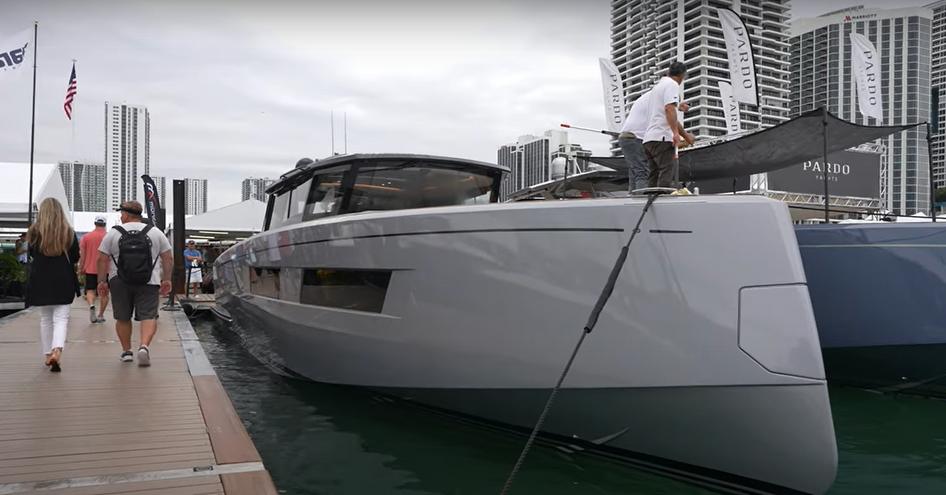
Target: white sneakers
[{"x": 144, "y": 356}]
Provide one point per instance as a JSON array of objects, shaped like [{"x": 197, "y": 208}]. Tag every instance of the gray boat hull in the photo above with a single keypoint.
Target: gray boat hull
[{"x": 704, "y": 362}]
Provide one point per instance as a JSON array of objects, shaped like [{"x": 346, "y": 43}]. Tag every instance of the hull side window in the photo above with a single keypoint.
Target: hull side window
[{"x": 359, "y": 290}]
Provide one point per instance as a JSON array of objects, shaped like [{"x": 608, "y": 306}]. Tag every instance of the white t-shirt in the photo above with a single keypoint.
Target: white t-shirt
[
  {"x": 637, "y": 118},
  {"x": 666, "y": 91},
  {"x": 159, "y": 244}
]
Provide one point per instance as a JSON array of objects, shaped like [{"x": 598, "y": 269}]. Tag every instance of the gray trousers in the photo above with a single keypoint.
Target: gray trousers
[
  {"x": 664, "y": 167},
  {"x": 637, "y": 165}
]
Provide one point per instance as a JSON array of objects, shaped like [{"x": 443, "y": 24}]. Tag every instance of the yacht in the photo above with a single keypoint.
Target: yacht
[
  {"x": 877, "y": 293},
  {"x": 404, "y": 275},
  {"x": 875, "y": 286}
]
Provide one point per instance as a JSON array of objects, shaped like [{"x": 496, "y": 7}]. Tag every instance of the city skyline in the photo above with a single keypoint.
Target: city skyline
[
  {"x": 646, "y": 33},
  {"x": 217, "y": 111},
  {"x": 821, "y": 56}
]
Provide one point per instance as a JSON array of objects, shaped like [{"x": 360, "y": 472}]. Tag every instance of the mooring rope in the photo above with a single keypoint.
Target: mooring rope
[{"x": 589, "y": 326}]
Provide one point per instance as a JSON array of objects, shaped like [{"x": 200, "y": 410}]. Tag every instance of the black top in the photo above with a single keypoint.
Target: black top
[
  {"x": 53, "y": 278},
  {"x": 297, "y": 176}
]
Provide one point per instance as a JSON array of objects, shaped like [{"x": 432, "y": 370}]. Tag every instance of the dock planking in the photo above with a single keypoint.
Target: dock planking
[{"x": 107, "y": 427}]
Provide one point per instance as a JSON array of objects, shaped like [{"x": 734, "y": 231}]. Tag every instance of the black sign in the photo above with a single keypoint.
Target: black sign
[
  {"x": 850, "y": 173},
  {"x": 152, "y": 203},
  {"x": 721, "y": 186}
]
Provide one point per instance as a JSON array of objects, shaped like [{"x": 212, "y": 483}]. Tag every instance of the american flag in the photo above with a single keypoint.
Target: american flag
[{"x": 70, "y": 93}]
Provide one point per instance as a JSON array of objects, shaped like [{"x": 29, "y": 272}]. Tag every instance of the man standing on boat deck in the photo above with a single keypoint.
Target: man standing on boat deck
[
  {"x": 664, "y": 131},
  {"x": 631, "y": 140},
  {"x": 140, "y": 269}
]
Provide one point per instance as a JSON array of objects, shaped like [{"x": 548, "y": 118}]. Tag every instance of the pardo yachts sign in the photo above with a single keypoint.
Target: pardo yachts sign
[{"x": 850, "y": 173}]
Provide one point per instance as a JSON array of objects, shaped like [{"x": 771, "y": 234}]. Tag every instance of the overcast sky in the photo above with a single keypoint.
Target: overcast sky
[{"x": 238, "y": 89}]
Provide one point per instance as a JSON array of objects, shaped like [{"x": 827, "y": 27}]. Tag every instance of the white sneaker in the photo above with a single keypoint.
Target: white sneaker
[
  {"x": 144, "y": 356},
  {"x": 92, "y": 316},
  {"x": 126, "y": 357}
]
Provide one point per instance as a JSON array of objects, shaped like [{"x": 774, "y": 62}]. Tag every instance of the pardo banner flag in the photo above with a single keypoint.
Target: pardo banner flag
[
  {"x": 152, "y": 202},
  {"x": 741, "y": 61},
  {"x": 730, "y": 108},
  {"x": 850, "y": 173},
  {"x": 865, "y": 65},
  {"x": 613, "y": 94}
]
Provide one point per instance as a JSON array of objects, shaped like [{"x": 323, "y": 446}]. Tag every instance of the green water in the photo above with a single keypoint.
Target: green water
[{"x": 318, "y": 439}]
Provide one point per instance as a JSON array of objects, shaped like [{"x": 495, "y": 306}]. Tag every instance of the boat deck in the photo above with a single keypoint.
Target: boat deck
[{"x": 105, "y": 427}]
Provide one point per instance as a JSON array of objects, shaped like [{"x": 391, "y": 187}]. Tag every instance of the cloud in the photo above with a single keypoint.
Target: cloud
[{"x": 246, "y": 88}]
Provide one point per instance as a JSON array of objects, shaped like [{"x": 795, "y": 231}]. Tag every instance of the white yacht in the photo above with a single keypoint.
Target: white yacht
[{"x": 402, "y": 274}]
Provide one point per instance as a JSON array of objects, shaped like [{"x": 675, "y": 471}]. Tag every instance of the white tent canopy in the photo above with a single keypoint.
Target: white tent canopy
[
  {"x": 84, "y": 221},
  {"x": 47, "y": 183},
  {"x": 231, "y": 222}
]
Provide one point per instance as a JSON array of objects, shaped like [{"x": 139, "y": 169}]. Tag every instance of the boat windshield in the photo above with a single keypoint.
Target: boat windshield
[
  {"x": 379, "y": 187},
  {"x": 387, "y": 188},
  {"x": 601, "y": 184}
]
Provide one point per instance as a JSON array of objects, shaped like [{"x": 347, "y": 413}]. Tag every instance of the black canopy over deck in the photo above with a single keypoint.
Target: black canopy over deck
[{"x": 789, "y": 143}]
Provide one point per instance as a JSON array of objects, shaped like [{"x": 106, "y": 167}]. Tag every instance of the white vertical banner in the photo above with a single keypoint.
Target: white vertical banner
[
  {"x": 741, "y": 62},
  {"x": 15, "y": 54},
  {"x": 730, "y": 108},
  {"x": 613, "y": 94},
  {"x": 865, "y": 66}
]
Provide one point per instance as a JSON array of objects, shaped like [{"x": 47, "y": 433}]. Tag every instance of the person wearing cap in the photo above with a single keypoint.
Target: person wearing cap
[
  {"x": 192, "y": 262},
  {"x": 132, "y": 297},
  {"x": 88, "y": 264}
]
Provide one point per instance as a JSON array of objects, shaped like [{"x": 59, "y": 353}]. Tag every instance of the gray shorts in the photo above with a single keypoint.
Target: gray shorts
[{"x": 142, "y": 300}]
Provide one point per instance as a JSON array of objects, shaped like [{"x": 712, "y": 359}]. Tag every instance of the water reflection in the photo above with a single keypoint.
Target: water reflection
[{"x": 319, "y": 439}]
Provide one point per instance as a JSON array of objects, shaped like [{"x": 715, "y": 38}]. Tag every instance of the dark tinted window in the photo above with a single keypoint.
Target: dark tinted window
[
  {"x": 297, "y": 202},
  {"x": 325, "y": 195},
  {"x": 359, "y": 290},
  {"x": 384, "y": 188},
  {"x": 280, "y": 210}
]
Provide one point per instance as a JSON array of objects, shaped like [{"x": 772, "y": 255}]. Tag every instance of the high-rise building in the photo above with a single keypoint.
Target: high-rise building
[
  {"x": 195, "y": 196},
  {"x": 255, "y": 188},
  {"x": 508, "y": 156},
  {"x": 938, "y": 80},
  {"x": 530, "y": 160},
  {"x": 127, "y": 151},
  {"x": 647, "y": 35},
  {"x": 84, "y": 184},
  {"x": 821, "y": 59},
  {"x": 160, "y": 183}
]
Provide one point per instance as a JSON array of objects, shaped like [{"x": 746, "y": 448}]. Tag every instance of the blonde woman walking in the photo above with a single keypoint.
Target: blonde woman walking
[{"x": 53, "y": 284}]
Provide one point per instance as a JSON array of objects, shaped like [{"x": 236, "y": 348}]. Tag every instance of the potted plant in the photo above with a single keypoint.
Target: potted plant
[{"x": 12, "y": 276}]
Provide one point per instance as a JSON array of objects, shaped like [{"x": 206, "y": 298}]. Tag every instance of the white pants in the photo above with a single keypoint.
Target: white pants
[{"x": 53, "y": 323}]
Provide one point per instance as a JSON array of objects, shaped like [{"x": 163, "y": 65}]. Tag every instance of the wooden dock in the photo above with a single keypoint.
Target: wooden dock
[
  {"x": 106, "y": 427},
  {"x": 196, "y": 303}
]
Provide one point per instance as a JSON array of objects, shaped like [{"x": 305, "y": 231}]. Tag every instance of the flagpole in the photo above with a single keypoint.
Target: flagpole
[
  {"x": 29, "y": 201},
  {"x": 72, "y": 120}
]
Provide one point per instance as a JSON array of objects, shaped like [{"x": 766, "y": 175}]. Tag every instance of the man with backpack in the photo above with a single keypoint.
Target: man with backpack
[{"x": 140, "y": 270}]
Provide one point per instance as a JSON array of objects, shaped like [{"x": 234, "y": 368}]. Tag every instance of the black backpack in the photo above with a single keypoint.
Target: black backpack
[{"x": 134, "y": 261}]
